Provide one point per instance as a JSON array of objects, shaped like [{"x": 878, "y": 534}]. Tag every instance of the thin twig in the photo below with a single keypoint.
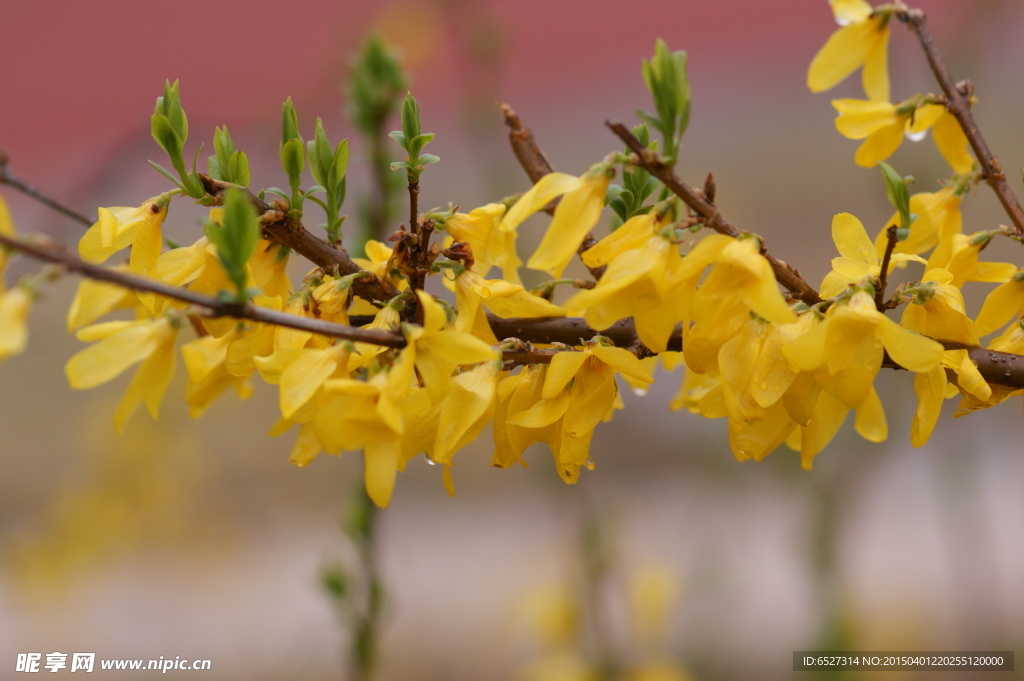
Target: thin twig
[
  {"x": 414, "y": 199},
  {"x": 958, "y": 102},
  {"x": 786, "y": 275},
  {"x": 883, "y": 274},
  {"x": 278, "y": 227},
  {"x": 8, "y": 177},
  {"x": 55, "y": 254}
]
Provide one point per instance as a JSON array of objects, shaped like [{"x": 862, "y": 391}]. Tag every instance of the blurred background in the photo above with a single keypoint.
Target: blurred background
[{"x": 198, "y": 539}]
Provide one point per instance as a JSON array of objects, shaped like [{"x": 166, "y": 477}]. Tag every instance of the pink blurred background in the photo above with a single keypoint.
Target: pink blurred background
[{"x": 198, "y": 539}]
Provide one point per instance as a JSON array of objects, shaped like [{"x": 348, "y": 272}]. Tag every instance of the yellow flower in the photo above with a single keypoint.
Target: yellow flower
[
  {"x": 862, "y": 41},
  {"x": 1002, "y": 304},
  {"x": 7, "y": 229},
  {"x": 929, "y": 386},
  {"x": 507, "y": 300},
  {"x": 637, "y": 283},
  {"x": 14, "y": 307},
  {"x": 937, "y": 309},
  {"x": 119, "y": 346},
  {"x": 95, "y": 299},
  {"x": 256, "y": 340},
  {"x": 576, "y": 214},
  {"x": 356, "y": 414},
  {"x": 858, "y": 257},
  {"x": 492, "y": 247},
  {"x": 466, "y": 409},
  {"x": 845, "y": 350},
  {"x": 437, "y": 350},
  {"x": 1012, "y": 341},
  {"x": 741, "y": 281},
  {"x": 938, "y": 219},
  {"x": 959, "y": 255},
  {"x": 120, "y": 227},
  {"x": 882, "y": 125},
  {"x": 206, "y": 363},
  {"x": 301, "y": 372},
  {"x": 579, "y": 391}
]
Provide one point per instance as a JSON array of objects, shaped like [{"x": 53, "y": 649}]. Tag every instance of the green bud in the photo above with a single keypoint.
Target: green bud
[
  {"x": 163, "y": 133},
  {"x": 375, "y": 85},
  {"x": 896, "y": 192},
  {"x": 292, "y": 159},
  {"x": 238, "y": 168},
  {"x": 169, "y": 105},
  {"x": 338, "y": 168},
  {"x": 289, "y": 122},
  {"x": 410, "y": 119},
  {"x": 666, "y": 80}
]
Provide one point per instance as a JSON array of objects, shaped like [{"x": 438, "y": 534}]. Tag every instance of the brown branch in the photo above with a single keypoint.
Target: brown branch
[
  {"x": 414, "y": 196},
  {"x": 1000, "y": 368},
  {"x": 883, "y": 274},
  {"x": 536, "y": 165},
  {"x": 958, "y": 102},
  {"x": 278, "y": 227},
  {"x": 8, "y": 177},
  {"x": 786, "y": 274},
  {"x": 524, "y": 146},
  {"x": 55, "y": 254}
]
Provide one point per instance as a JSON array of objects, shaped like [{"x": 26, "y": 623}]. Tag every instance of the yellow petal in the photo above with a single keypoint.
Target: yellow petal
[
  {"x": 563, "y": 368},
  {"x": 623, "y": 361},
  {"x": 538, "y": 196},
  {"x": 465, "y": 411},
  {"x": 858, "y": 118},
  {"x": 829, "y": 414},
  {"x": 852, "y": 240},
  {"x": 844, "y": 51},
  {"x": 910, "y": 350},
  {"x": 880, "y": 145},
  {"x": 631, "y": 235},
  {"x": 952, "y": 143},
  {"x": 382, "y": 461},
  {"x": 306, "y": 447},
  {"x": 148, "y": 385},
  {"x": 875, "y": 76},
  {"x": 108, "y": 358},
  {"x": 929, "y": 386},
  {"x": 6, "y": 224},
  {"x": 303, "y": 377},
  {"x": 870, "y": 421},
  {"x": 575, "y": 216},
  {"x": 850, "y": 11},
  {"x": 1002, "y": 304},
  {"x": 14, "y": 308},
  {"x": 590, "y": 398}
]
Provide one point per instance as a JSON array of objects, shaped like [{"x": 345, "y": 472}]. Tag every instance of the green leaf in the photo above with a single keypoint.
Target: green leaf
[
  {"x": 213, "y": 168},
  {"x": 236, "y": 239},
  {"x": 426, "y": 159},
  {"x": 375, "y": 86},
  {"x": 239, "y": 168},
  {"x": 338, "y": 168},
  {"x": 163, "y": 132},
  {"x": 168, "y": 174},
  {"x": 398, "y": 137},
  {"x": 410, "y": 117},
  {"x": 289, "y": 122},
  {"x": 293, "y": 160},
  {"x": 896, "y": 192}
]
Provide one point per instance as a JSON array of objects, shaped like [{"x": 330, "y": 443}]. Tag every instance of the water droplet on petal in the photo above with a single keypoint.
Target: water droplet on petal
[
  {"x": 916, "y": 136},
  {"x": 429, "y": 460}
]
